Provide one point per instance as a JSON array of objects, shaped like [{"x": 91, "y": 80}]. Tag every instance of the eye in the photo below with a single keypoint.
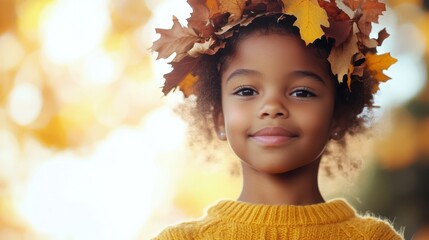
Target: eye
[
  {"x": 245, "y": 91},
  {"x": 303, "y": 93}
]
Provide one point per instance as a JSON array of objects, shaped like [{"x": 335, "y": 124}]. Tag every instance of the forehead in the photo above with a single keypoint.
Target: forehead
[{"x": 277, "y": 51}]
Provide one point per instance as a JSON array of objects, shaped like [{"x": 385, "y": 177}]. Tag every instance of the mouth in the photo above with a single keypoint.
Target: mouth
[{"x": 272, "y": 136}]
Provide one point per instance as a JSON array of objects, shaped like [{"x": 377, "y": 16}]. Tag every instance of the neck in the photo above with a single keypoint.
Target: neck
[{"x": 296, "y": 187}]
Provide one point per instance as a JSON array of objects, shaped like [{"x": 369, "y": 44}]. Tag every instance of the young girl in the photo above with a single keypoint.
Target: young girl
[{"x": 279, "y": 80}]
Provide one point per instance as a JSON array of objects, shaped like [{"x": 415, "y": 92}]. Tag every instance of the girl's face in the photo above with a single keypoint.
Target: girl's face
[{"x": 277, "y": 103}]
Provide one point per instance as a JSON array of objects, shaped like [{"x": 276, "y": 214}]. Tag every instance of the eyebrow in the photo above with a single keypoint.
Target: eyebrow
[
  {"x": 298, "y": 73},
  {"x": 243, "y": 72},
  {"x": 307, "y": 73}
]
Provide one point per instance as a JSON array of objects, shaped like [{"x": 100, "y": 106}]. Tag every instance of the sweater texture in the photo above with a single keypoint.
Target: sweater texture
[{"x": 239, "y": 220}]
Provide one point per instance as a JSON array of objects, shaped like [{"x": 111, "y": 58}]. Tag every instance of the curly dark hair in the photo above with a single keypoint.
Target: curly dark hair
[{"x": 349, "y": 103}]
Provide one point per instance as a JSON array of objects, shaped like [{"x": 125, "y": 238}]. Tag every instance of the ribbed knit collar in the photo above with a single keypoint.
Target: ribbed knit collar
[{"x": 322, "y": 213}]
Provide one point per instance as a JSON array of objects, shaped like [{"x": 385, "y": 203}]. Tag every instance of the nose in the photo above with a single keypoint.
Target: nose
[{"x": 273, "y": 107}]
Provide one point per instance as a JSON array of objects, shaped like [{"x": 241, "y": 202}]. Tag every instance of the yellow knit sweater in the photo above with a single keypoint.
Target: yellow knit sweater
[{"x": 238, "y": 220}]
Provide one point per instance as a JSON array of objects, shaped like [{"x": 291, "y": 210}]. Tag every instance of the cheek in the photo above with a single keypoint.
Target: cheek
[{"x": 320, "y": 121}]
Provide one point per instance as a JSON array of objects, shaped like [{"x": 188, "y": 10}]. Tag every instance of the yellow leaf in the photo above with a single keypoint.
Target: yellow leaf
[
  {"x": 310, "y": 17},
  {"x": 187, "y": 84},
  {"x": 377, "y": 63}
]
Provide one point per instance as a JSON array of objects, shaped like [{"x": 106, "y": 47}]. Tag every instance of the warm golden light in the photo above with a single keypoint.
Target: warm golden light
[
  {"x": 25, "y": 103},
  {"x": 71, "y": 29}
]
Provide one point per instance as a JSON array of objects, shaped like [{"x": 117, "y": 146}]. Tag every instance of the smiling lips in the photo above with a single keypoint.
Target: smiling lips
[{"x": 272, "y": 136}]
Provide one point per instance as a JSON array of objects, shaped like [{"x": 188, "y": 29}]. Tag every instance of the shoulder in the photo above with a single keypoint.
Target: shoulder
[
  {"x": 185, "y": 230},
  {"x": 375, "y": 228}
]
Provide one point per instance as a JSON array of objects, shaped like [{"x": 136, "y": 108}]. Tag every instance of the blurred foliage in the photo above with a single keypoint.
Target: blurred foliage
[{"x": 400, "y": 186}]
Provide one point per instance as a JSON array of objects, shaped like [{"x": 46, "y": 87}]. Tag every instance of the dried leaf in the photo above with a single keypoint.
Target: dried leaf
[
  {"x": 180, "y": 71},
  {"x": 235, "y": 7},
  {"x": 310, "y": 17},
  {"x": 377, "y": 63},
  {"x": 340, "y": 57},
  {"x": 340, "y": 23},
  {"x": 382, "y": 35},
  {"x": 200, "y": 18},
  {"x": 371, "y": 11},
  {"x": 333, "y": 11},
  {"x": 187, "y": 84},
  {"x": 201, "y": 48},
  {"x": 175, "y": 40}
]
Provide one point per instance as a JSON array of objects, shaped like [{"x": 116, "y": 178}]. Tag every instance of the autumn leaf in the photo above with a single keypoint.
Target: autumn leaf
[
  {"x": 310, "y": 17},
  {"x": 200, "y": 17},
  {"x": 180, "y": 71},
  {"x": 341, "y": 56},
  {"x": 367, "y": 13},
  {"x": 175, "y": 40},
  {"x": 340, "y": 23},
  {"x": 382, "y": 35},
  {"x": 187, "y": 84},
  {"x": 377, "y": 63},
  {"x": 235, "y": 7}
]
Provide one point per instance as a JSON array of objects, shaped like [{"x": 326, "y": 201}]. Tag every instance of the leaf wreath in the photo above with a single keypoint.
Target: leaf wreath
[{"x": 212, "y": 22}]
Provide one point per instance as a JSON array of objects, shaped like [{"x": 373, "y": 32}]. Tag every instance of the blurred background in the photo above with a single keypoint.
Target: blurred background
[{"x": 91, "y": 149}]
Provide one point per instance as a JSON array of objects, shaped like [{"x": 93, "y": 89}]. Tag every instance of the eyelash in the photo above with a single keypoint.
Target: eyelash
[
  {"x": 240, "y": 89},
  {"x": 304, "y": 90}
]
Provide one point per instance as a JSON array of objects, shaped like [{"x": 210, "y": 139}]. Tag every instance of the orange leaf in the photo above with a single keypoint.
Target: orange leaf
[
  {"x": 341, "y": 57},
  {"x": 377, "y": 63},
  {"x": 310, "y": 17},
  {"x": 187, "y": 84},
  {"x": 175, "y": 40},
  {"x": 349, "y": 75}
]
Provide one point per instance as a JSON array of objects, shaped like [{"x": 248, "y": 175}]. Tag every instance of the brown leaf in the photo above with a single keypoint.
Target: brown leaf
[
  {"x": 200, "y": 18},
  {"x": 371, "y": 10},
  {"x": 175, "y": 40},
  {"x": 340, "y": 24},
  {"x": 338, "y": 30},
  {"x": 341, "y": 56},
  {"x": 382, "y": 35},
  {"x": 333, "y": 11},
  {"x": 235, "y": 7},
  {"x": 180, "y": 71},
  {"x": 263, "y": 6}
]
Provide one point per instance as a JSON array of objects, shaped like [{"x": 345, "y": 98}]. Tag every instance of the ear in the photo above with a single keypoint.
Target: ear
[{"x": 219, "y": 124}]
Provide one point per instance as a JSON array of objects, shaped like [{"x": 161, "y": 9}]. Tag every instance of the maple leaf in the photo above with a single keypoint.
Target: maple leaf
[
  {"x": 341, "y": 56},
  {"x": 175, "y": 40},
  {"x": 367, "y": 13},
  {"x": 187, "y": 84},
  {"x": 377, "y": 63},
  {"x": 235, "y": 7},
  {"x": 340, "y": 23},
  {"x": 180, "y": 71},
  {"x": 310, "y": 17},
  {"x": 200, "y": 18}
]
